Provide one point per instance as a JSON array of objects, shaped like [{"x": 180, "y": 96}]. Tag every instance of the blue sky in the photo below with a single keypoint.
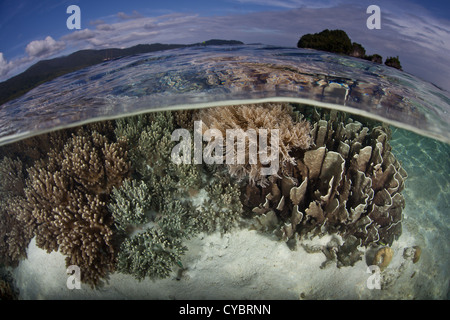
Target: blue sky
[{"x": 417, "y": 31}]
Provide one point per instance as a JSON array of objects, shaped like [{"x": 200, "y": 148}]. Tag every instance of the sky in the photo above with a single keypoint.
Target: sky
[{"x": 417, "y": 31}]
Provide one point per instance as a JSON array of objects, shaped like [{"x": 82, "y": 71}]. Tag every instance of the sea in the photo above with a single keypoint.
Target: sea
[{"x": 416, "y": 111}]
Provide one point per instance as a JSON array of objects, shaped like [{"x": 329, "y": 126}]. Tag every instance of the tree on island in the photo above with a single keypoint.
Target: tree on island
[
  {"x": 337, "y": 41},
  {"x": 357, "y": 51},
  {"x": 393, "y": 62},
  {"x": 374, "y": 58}
]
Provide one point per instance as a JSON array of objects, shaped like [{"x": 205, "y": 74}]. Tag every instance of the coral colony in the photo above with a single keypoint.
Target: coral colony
[{"x": 124, "y": 195}]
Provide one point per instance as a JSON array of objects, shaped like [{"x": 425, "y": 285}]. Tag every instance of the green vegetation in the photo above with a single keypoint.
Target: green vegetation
[
  {"x": 374, "y": 58},
  {"x": 393, "y": 62},
  {"x": 337, "y": 41}
]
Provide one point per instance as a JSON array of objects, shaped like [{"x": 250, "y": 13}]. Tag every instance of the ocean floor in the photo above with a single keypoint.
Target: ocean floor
[{"x": 245, "y": 264}]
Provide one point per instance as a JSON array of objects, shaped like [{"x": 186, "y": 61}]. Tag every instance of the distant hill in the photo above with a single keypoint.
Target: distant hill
[
  {"x": 47, "y": 70},
  {"x": 337, "y": 41}
]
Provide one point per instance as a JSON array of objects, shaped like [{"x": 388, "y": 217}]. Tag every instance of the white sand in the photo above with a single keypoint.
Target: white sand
[{"x": 243, "y": 264}]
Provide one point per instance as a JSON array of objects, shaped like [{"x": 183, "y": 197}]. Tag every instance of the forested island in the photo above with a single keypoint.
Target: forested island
[{"x": 337, "y": 41}]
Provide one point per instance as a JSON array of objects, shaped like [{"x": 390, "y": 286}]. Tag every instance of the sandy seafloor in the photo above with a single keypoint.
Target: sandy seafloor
[{"x": 245, "y": 264}]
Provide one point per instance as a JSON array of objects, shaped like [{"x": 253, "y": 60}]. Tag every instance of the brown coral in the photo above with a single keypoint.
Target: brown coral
[
  {"x": 383, "y": 257},
  {"x": 292, "y": 134},
  {"x": 14, "y": 234},
  {"x": 65, "y": 199},
  {"x": 348, "y": 183}
]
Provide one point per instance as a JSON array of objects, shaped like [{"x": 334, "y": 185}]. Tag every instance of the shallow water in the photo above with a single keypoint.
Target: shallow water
[
  {"x": 253, "y": 263},
  {"x": 224, "y": 75}
]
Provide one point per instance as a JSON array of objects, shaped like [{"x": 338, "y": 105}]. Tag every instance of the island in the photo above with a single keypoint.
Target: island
[{"x": 337, "y": 41}]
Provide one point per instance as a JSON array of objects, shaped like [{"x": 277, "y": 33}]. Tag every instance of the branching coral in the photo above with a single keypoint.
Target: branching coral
[
  {"x": 14, "y": 234},
  {"x": 65, "y": 199},
  {"x": 292, "y": 134},
  {"x": 130, "y": 204},
  {"x": 222, "y": 209},
  {"x": 149, "y": 254},
  {"x": 349, "y": 183},
  {"x": 157, "y": 246},
  {"x": 162, "y": 207}
]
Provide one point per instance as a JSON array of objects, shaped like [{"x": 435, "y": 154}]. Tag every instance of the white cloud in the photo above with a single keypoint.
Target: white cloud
[
  {"x": 5, "y": 66},
  {"x": 105, "y": 27},
  {"x": 79, "y": 35},
  {"x": 44, "y": 48},
  {"x": 134, "y": 15},
  {"x": 96, "y": 22},
  {"x": 292, "y": 4}
]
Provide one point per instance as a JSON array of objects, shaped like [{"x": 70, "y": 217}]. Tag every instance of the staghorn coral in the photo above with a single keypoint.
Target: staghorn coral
[
  {"x": 222, "y": 207},
  {"x": 150, "y": 146},
  {"x": 130, "y": 204},
  {"x": 14, "y": 234},
  {"x": 153, "y": 242},
  {"x": 171, "y": 219},
  {"x": 348, "y": 183},
  {"x": 149, "y": 254},
  {"x": 292, "y": 134},
  {"x": 7, "y": 289},
  {"x": 65, "y": 200},
  {"x": 162, "y": 205},
  {"x": 12, "y": 179}
]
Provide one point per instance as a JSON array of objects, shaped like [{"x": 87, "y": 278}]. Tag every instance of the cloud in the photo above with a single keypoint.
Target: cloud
[
  {"x": 134, "y": 15},
  {"x": 5, "y": 66},
  {"x": 292, "y": 4},
  {"x": 44, "y": 48},
  {"x": 96, "y": 22},
  {"x": 79, "y": 35},
  {"x": 105, "y": 27}
]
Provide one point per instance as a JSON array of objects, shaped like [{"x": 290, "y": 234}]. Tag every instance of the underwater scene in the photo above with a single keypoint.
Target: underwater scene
[{"x": 226, "y": 172}]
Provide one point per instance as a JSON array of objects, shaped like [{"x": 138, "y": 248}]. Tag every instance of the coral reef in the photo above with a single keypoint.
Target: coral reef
[
  {"x": 292, "y": 134},
  {"x": 163, "y": 205},
  {"x": 110, "y": 197},
  {"x": 65, "y": 200},
  {"x": 348, "y": 183}
]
